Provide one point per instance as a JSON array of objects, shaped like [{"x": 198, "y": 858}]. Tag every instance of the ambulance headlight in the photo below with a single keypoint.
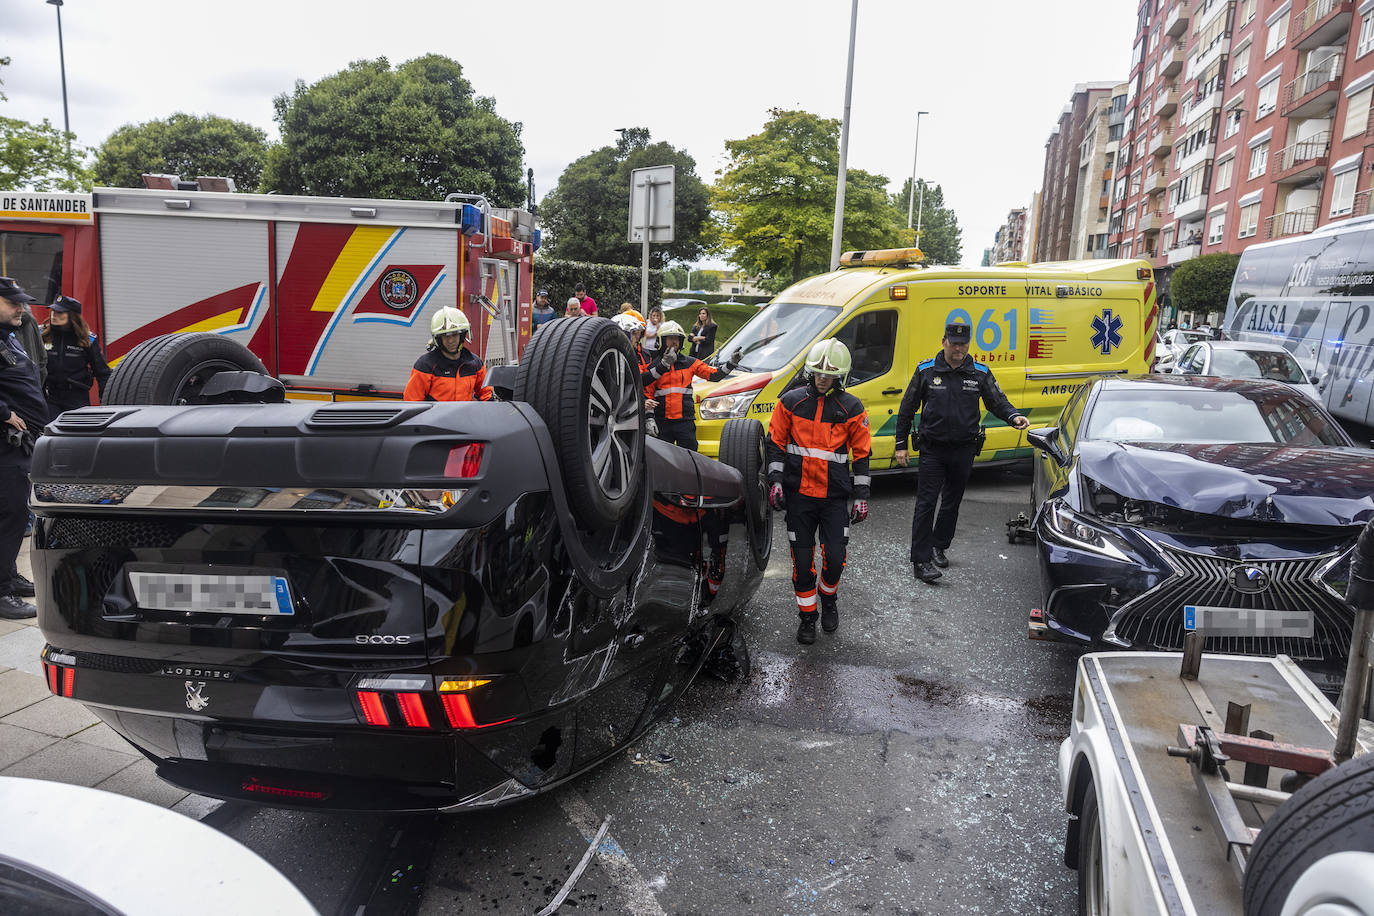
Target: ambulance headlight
[{"x": 727, "y": 406}]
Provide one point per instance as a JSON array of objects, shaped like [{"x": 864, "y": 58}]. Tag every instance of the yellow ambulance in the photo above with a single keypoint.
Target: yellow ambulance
[{"x": 1042, "y": 329}]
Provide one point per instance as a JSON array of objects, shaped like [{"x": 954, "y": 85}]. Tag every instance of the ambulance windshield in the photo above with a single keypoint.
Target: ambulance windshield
[{"x": 774, "y": 336}]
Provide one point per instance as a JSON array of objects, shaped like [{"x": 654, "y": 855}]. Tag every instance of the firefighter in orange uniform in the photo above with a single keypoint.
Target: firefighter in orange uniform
[
  {"x": 448, "y": 371},
  {"x": 815, "y": 432},
  {"x": 668, "y": 384}
]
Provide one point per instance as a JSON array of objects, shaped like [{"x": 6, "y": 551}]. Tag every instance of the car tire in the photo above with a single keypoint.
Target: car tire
[
  {"x": 1092, "y": 870},
  {"x": 580, "y": 377},
  {"x": 173, "y": 368},
  {"x": 1300, "y": 859},
  {"x": 742, "y": 448}
]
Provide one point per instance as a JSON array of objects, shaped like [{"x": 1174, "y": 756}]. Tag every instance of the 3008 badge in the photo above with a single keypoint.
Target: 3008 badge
[{"x": 381, "y": 640}]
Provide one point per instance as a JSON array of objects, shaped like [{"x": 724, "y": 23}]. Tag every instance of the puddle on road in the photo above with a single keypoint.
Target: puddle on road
[{"x": 852, "y": 699}]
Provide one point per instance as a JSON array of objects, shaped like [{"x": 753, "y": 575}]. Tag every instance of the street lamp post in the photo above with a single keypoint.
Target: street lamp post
[
  {"x": 911, "y": 195},
  {"x": 62, "y": 59},
  {"x": 838, "y": 230}
]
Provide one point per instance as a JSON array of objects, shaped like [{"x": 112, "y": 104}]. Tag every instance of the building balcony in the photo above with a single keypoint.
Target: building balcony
[
  {"x": 1303, "y": 161},
  {"x": 1314, "y": 93},
  {"x": 1161, "y": 142},
  {"x": 1191, "y": 208},
  {"x": 1322, "y": 22},
  {"x": 1176, "y": 23},
  {"x": 1150, "y": 221},
  {"x": 1290, "y": 222},
  {"x": 1155, "y": 182},
  {"x": 1104, "y": 202},
  {"x": 1166, "y": 102},
  {"x": 1198, "y": 156},
  {"x": 1362, "y": 202},
  {"x": 1171, "y": 61},
  {"x": 1184, "y": 253}
]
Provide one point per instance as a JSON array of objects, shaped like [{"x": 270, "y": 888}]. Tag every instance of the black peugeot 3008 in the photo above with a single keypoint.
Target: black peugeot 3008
[{"x": 1166, "y": 503}]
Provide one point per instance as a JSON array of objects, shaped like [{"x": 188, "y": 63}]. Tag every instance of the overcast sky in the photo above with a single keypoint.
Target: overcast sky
[{"x": 994, "y": 75}]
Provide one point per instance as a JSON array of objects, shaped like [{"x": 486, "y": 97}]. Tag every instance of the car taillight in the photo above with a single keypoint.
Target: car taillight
[
  {"x": 374, "y": 712},
  {"x": 413, "y": 710},
  {"x": 464, "y": 461},
  {"x": 61, "y": 681},
  {"x": 453, "y": 693}
]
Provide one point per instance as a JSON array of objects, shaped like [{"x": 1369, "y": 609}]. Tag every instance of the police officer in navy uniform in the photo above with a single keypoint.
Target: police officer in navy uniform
[
  {"x": 75, "y": 361},
  {"x": 22, "y": 414},
  {"x": 946, "y": 391}
]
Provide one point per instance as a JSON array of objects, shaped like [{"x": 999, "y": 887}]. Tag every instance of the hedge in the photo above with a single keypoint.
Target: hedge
[{"x": 608, "y": 284}]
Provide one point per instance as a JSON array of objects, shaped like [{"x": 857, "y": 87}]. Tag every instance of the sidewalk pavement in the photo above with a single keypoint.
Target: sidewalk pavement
[{"x": 50, "y": 737}]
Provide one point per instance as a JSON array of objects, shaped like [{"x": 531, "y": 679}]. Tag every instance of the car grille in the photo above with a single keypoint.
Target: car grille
[{"x": 1155, "y": 619}]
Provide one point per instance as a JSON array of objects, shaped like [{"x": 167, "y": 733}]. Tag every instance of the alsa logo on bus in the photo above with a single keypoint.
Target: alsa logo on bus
[{"x": 1268, "y": 316}]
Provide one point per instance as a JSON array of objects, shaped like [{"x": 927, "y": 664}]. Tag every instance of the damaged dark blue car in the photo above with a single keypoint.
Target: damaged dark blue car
[{"x": 1165, "y": 504}]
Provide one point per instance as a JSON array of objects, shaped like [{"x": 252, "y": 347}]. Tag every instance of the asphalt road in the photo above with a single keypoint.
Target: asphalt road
[{"x": 904, "y": 765}]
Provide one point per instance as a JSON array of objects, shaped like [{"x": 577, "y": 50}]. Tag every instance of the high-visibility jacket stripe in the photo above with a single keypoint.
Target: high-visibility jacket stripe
[{"x": 841, "y": 457}]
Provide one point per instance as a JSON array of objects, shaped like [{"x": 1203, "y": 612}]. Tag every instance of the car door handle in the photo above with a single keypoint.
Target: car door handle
[{"x": 889, "y": 391}]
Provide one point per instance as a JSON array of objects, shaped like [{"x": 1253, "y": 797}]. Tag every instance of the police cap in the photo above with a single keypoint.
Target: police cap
[
  {"x": 958, "y": 333},
  {"x": 66, "y": 304},
  {"x": 13, "y": 291}
]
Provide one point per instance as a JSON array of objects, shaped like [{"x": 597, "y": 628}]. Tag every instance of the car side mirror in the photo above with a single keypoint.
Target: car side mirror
[{"x": 1047, "y": 440}]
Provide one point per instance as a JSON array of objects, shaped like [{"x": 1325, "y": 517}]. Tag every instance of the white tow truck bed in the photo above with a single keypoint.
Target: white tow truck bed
[{"x": 1160, "y": 852}]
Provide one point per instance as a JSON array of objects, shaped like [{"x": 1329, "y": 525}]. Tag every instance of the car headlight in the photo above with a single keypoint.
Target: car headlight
[
  {"x": 1079, "y": 531},
  {"x": 727, "y": 406}
]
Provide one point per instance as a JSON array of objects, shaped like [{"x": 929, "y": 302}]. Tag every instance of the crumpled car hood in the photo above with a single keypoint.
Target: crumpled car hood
[{"x": 1307, "y": 486}]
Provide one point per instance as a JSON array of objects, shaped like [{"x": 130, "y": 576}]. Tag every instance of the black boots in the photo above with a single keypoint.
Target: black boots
[
  {"x": 830, "y": 613},
  {"x": 941, "y": 560},
  {"x": 806, "y": 630},
  {"x": 926, "y": 572}
]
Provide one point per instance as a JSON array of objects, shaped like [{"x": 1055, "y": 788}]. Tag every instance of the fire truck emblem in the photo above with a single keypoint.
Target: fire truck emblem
[
  {"x": 398, "y": 289},
  {"x": 195, "y": 700}
]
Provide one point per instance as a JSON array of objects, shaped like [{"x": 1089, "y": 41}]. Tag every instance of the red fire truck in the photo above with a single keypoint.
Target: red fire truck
[{"x": 334, "y": 295}]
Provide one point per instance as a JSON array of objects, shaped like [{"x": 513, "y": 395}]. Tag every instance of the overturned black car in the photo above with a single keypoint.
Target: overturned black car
[
  {"x": 388, "y": 605},
  {"x": 1167, "y": 503}
]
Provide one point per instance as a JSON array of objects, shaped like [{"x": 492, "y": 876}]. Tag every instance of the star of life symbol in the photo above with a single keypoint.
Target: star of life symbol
[
  {"x": 195, "y": 701},
  {"x": 1106, "y": 332}
]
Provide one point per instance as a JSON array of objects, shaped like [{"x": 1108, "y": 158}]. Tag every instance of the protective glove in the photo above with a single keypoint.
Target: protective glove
[
  {"x": 775, "y": 497},
  {"x": 860, "y": 511},
  {"x": 733, "y": 359},
  {"x": 666, "y": 360}
]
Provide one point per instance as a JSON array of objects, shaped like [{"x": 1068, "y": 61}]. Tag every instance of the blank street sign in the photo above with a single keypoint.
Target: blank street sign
[{"x": 656, "y": 204}]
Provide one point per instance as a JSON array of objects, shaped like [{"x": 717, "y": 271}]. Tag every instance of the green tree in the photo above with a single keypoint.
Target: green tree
[
  {"x": 39, "y": 157},
  {"x": 186, "y": 145},
  {"x": 940, "y": 241},
  {"x": 417, "y": 131},
  {"x": 587, "y": 212},
  {"x": 707, "y": 281},
  {"x": 1203, "y": 284},
  {"x": 675, "y": 278},
  {"x": 777, "y": 196}
]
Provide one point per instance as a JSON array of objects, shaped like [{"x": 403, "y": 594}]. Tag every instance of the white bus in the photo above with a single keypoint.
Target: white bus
[{"x": 1315, "y": 295}]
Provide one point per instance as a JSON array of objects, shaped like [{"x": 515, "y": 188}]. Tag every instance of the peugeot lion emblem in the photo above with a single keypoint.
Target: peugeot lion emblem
[
  {"x": 1249, "y": 579},
  {"x": 195, "y": 700}
]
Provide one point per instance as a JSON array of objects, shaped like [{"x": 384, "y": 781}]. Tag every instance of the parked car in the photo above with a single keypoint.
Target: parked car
[
  {"x": 389, "y": 605},
  {"x": 669, "y": 304},
  {"x": 1239, "y": 499},
  {"x": 1236, "y": 359},
  {"x": 1176, "y": 341}
]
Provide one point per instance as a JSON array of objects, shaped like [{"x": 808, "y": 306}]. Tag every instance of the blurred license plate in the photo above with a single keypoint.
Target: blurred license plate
[
  {"x": 260, "y": 595},
  {"x": 1245, "y": 621}
]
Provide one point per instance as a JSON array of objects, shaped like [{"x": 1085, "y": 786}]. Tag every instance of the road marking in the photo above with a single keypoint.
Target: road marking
[{"x": 639, "y": 897}]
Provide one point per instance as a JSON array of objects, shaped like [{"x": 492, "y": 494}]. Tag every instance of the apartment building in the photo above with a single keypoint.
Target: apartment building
[
  {"x": 1246, "y": 120},
  {"x": 1010, "y": 238},
  {"x": 1032, "y": 227},
  {"x": 1062, "y": 190}
]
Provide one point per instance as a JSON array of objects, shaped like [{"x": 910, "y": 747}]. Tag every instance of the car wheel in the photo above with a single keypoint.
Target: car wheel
[
  {"x": 1316, "y": 853},
  {"x": 741, "y": 447},
  {"x": 580, "y": 378},
  {"x": 173, "y": 368},
  {"x": 1092, "y": 872}
]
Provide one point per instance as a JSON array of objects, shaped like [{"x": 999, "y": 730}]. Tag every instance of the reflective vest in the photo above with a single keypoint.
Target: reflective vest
[{"x": 813, "y": 437}]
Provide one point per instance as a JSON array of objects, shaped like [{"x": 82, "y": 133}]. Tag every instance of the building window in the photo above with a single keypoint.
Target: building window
[
  {"x": 1154, "y": 39},
  {"x": 1130, "y": 219},
  {"x": 1277, "y": 35},
  {"x": 1259, "y": 160},
  {"x": 1268, "y": 98},
  {"x": 1343, "y": 191},
  {"x": 1247, "y": 11},
  {"x": 1357, "y": 113},
  {"x": 1166, "y": 239},
  {"x": 1222, "y": 179},
  {"x": 1366, "y": 34},
  {"x": 1125, "y": 249},
  {"x": 1249, "y": 221},
  {"x": 1233, "y": 118},
  {"x": 1240, "y": 63},
  {"x": 1216, "y": 227},
  {"x": 1135, "y": 182}
]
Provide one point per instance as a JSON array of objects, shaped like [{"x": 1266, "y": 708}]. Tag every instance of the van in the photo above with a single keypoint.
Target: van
[{"x": 1042, "y": 328}]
